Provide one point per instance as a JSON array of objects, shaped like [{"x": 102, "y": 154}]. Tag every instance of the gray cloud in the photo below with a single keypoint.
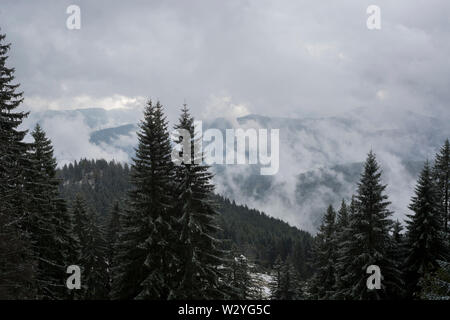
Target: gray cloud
[
  {"x": 289, "y": 58},
  {"x": 71, "y": 140}
]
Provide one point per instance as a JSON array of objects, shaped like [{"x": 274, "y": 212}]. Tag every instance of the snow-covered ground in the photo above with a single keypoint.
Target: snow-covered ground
[{"x": 262, "y": 281}]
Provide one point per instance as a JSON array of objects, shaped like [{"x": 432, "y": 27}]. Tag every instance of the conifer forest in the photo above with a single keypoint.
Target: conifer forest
[{"x": 139, "y": 211}]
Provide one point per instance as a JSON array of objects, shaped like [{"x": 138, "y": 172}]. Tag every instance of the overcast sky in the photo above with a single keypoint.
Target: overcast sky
[
  {"x": 228, "y": 58},
  {"x": 284, "y": 58}
]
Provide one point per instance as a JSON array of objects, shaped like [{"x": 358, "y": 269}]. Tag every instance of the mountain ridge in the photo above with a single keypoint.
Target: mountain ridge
[{"x": 306, "y": 145}]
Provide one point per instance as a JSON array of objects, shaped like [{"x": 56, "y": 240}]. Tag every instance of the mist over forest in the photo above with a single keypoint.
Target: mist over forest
[{"x": 224, "y": 151}]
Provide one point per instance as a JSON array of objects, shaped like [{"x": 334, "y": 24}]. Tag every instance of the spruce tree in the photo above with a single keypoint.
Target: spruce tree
[
  {"x": 113, "y": 231},
  {"x": 93, "y": 261},
  {"x": 324, "y": 255},
  {"x": 49, "y": 222},
  {"x": 291, "y": 287},
  {"x": 199, "y": 253},
  {"x": 397, "y": 235},
  {"x": 240, "y": 279},
  {"x": 17, "y": 266},
  {"x": 397, "y": 254},
  {"x": 275, "y": 284},
  {"x": 145, "y": 261},
  {"x": 399, "y": 248},
  {"x": 342, "y": 236},
  {"x": 371, "y": 242},
  {"x": 285, "y": 284},
  {"x": 342, "y": 219},
  {"x": 91, "y": 252},
  {"x": 80, "y": 222},
  {"x": 441, "y": 175},
  {"x": 425, "y": 241}
]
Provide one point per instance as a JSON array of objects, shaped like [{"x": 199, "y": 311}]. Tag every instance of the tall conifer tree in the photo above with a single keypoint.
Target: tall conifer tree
[
  {"x": 371, "y": 242},
  {"x": 113, "y": 231},
  {"x": 240, "y": 279},
  {"x": 17, "y": 267},
  {"x": 49, "y": 222},
  {"x": 93, "y": 261},
  {"x": 285, "y": 284},
  {"x": 145, "y": 260},
  {"x": 425, "y": 241},
  {"x": 325, "y": 255},
  {"x": 80, "y": 221},
  {"x": 200, "y": 257},
  {"x": 442, "y": 179},
  {"x": 342, "y": 236}
]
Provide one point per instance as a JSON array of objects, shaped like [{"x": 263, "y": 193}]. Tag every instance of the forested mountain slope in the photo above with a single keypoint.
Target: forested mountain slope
[{"x": 250, "y": 232}]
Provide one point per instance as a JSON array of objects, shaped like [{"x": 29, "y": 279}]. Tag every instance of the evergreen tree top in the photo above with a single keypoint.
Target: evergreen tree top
[
  {"x": 154, "y": 150},
  {"x": 424, "y": 189},
  {"x": 186, "y": 121},
  {"x": 155, "y": 122},
  {"x": 444, "y": 152},
  {"x": 397, "y": 231},
  {"x": 38, "y": 133},
  {"x": 44, "y": 150},
  {"x": 342, "y": 216},
  {"x": 10, "y": 99},
  {"x": 425, "y": 239},
  {"x": 370, "y": 188},
  {"x": 329, "y": 218}
]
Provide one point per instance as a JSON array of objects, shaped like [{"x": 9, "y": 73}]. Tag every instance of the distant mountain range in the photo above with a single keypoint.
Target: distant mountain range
[{"x": 320, "y": 158}]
